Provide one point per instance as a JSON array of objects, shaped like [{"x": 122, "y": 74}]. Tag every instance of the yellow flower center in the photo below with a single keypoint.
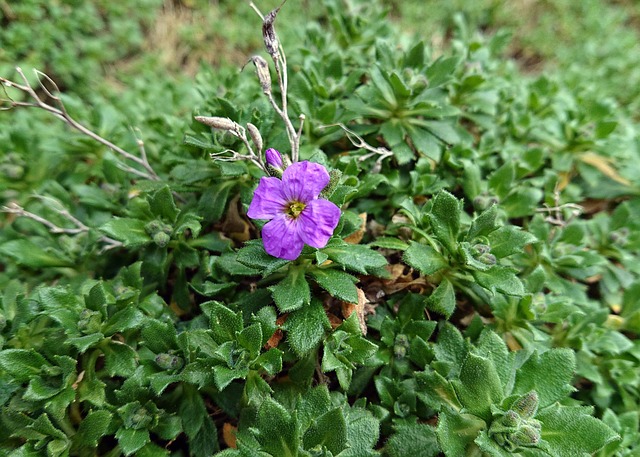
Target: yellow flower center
[{"x": 293, "y": 209}]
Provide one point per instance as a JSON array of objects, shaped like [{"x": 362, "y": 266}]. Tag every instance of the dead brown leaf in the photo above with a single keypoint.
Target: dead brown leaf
[
  {"x": 229, "y": 435},
  {"x": 356, "y": 236},
  {"x": 358, "y": 308}
]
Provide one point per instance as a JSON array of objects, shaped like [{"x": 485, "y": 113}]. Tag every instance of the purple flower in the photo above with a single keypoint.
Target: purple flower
[
  {"x": 273, "y": 158},
  {"x": 296, "y": 215}
]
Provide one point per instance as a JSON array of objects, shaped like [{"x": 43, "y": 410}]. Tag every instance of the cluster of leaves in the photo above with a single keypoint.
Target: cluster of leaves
[
  {"x": 75, "y": 39},
  {"x": 478, "y": 297}
]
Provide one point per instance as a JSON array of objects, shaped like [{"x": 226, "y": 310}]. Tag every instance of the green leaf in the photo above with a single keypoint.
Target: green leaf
[
  {"x": 93, "y": 427},
  {"x": 424, "y": 258},
  {"x": 131, "y": 232},
  {"x": 120, "y": 359},
  {"x": 253, "y": 255},
  {"x": 125, "y": 319},
  {"x": 549, "y": 374},
  {"x": 443, "y": 299},
  {"x": 224, "y": 322},
  {"x": 22, "y": 364},
  {"x": 159, "y": 336},
  {"x": 338, "y": 283},
  {"x": 270, "y": 361},
  {"x": 305, "y": 327},
  {"x": 483, "y": 224},
  {"x": 223, "y": 376},
  {"x": 213, "y": 203},
  {"x": 356, "y": 257},
  {"x": 329, "y": 430},
  {"x": 571, "y": 431},
  {"x": 82, "y": 343},
  {"x": 441, "y": 71},
  {"x": 501, "y": 180},
  {"x": 456, "y": 432},
  {"x": 250, "y": 338},
  {"x": 479, "y": 386},
  {"x": 363, "y": 431},
  {"x": 388, "y": 242},
  {"x": 162, "y": 204},
  {"x": 131, "y": 440},
  {"x": 292, "y": 292},
  {"x": 276, "y": 430},
  {"x": 509, "y": 240},
  {"x": 500, "y": 279},
  {"x": 413, "y": 440},
  {"x": 29, "y": 254},
  {"x": 445, "y": 219},
  {"x": 436, "y": 391}
]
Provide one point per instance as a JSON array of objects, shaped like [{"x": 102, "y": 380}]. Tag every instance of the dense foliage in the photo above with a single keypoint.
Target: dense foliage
[{"x": 480, "y": 294}]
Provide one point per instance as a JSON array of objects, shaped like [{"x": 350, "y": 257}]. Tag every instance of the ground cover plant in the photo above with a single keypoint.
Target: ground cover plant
[{"x": 364, "y": 243}]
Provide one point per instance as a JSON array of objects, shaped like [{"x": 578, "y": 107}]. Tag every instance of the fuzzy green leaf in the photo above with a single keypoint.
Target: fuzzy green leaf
[
  {"x": 276, "y": 430},
  {"x": 483, "y": 224},
  {"x": 131, "y": 232},
  {"x": 443, "y": 299},
  {"x": 456, "y": 432},
  {"x": 413, "y": 439},
  {"x": 509, "y": 240},
  {"x": 305, "y": 327},
  {"x": 499, "y": 279},
  {"x": 424, "y": 258},
  {"x": 549, "y": 374},
  {"x": 29, "y": 254},
  {"x": 445, "y": 219},
  {"x": 22, "y": 364},
  {"x": 572, "y": 431},
  {"x": 224, "y": 322},
  {"x": 479, "y": 386},
  {"x": 292, "y": 292},
  {"x": 131, "y": 440},
  {"x": 356, "y": 257},
  {"x": 250, "y": 338},
  {"x": 93, "y": 427},
  {"x": 329, "y": 430},
  {"x": 253, "y": 255},
  {"x": 162, "y": 204},
  {"x": 120, "y": 359},
  {"x": 338, "y": 283}
]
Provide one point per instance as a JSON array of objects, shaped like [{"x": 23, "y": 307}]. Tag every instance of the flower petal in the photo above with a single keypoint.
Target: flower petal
[
  {"x": 281, "y": 238},
  {"x": 268, "y": 199},
  {"x": 318, "y": 221},
  {"x": 303, "y": 181}
]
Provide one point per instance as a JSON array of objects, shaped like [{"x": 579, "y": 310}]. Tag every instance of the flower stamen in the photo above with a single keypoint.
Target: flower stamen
[{"x": 294, "y": 209}]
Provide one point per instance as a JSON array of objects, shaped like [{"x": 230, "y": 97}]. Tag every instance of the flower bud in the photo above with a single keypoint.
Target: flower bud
[
  {"x": 274, "y": 158},
  {"x": 527, "y": 405},
  {"x": 89, "y": 321},
  {"x": 169, "y": 361},
  {"x": 488, "y": 259},
  {"x": 254, "y": 133},
  {"x": 222, "y": 123},
  {"x": 161, "y": 239},
  {"x": 334, "y": 180},
  {"x": 526, "y": 436}
]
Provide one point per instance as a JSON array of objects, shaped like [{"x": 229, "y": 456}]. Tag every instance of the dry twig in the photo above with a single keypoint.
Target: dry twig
[{"x": 61, "y": 113}]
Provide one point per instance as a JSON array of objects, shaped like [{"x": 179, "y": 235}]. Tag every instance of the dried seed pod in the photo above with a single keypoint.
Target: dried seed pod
[
  {"x": 254, "y": 133},
  {"x": 222, "y": 123},
  {"x": 269, "y": 34},
  {"x": 262, "y": 69}
]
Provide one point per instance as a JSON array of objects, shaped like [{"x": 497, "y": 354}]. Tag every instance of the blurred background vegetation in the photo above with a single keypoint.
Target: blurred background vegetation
[{"x": 89, "y": 45}]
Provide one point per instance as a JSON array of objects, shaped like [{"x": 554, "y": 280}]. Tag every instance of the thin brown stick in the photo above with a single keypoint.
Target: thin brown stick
[{"x": 61, "y": 113}]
